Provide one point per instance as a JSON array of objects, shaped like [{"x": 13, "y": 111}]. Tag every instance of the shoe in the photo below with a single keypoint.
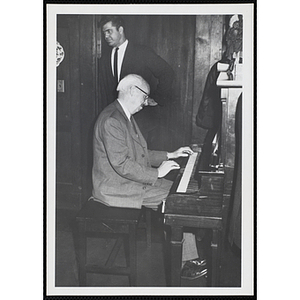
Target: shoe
[
  {"x": 191, "y": 272},
  {"x": 196, "y": 262}
]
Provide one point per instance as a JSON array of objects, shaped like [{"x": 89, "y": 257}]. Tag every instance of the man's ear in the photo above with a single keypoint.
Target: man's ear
[
  {"x": 131, "y": 90},
  {"x": 121, "y": 29}
]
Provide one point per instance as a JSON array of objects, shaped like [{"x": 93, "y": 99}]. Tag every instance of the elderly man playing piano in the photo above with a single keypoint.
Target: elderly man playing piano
[{"x": 127, "y": 174}]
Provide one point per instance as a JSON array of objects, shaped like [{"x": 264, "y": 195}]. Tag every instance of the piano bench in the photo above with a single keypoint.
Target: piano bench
[
  {"x": 100, "y": 221},
  {"x": 146, "y": 223}
]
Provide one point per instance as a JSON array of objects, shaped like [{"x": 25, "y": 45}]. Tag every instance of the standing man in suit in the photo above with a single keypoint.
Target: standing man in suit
[
  {"x": 128, "y": 58},
  {"x": 123, "y": 172}
]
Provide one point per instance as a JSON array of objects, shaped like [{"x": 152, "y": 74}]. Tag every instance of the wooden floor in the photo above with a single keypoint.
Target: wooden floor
[{"x": 151, "y": 267}]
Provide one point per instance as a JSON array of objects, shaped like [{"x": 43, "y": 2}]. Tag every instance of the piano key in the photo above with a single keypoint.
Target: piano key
[{"x": 185, "y": 179}]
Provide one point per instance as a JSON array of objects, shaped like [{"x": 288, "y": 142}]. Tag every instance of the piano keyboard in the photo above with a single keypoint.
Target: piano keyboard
[
  {"x": 188, "y": 171},
  {"x": 186, "y": 183}
]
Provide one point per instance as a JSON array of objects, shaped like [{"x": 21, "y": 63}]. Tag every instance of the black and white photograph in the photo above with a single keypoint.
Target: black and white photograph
[{"x": 150, "y": 149}]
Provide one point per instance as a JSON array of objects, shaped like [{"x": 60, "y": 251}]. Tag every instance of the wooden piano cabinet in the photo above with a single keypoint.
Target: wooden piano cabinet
[
  {"x": 200, "y": 210},
  {"x": 176, "y": 248}
]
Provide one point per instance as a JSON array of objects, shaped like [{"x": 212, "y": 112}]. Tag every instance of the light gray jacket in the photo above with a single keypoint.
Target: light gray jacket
[{"x": 122, "y": 166}]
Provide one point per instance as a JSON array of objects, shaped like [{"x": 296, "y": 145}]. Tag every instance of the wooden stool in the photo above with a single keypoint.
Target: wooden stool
[{"x": 98, "y": 220}]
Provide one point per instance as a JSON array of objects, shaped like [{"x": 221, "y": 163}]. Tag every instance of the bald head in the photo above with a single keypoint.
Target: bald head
[
  {"x": 131, "y": 80},
  {"x": 133, "y": 92}
]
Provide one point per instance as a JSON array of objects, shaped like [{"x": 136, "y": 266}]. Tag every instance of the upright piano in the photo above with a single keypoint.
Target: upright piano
[{"x": 200, "y": 198}]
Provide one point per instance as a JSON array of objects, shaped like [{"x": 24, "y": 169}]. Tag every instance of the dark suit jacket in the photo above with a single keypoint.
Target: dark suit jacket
[
  {"x": 122, "y": 169},
  {"x": 209, "y": 112},
  {"x": 142, "y": 61}
]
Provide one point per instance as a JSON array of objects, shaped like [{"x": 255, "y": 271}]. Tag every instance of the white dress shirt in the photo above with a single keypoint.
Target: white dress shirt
[
  {"x": 126, "y": 111},
  {"x": 121, "y": 52}
]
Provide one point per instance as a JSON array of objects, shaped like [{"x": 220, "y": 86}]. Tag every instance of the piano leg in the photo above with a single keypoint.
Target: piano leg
[
  {"x": 176, "y": 255},
  {"x": 215, "y": 250}
]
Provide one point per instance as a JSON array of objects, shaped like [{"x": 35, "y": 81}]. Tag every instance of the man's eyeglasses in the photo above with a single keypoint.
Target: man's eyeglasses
[{"x": 145, "y": 97}]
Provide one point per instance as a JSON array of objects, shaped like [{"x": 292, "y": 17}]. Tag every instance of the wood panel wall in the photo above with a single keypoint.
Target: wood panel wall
[
  {"x": 208, "y": 50},
  {"x": 191, "y": 45},
  {"x": 75, "y": 108},
  {"x": 171, "y": 37}
]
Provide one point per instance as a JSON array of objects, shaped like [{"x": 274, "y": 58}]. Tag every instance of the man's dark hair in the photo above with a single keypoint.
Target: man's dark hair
[{"x": 116, "y": 21}]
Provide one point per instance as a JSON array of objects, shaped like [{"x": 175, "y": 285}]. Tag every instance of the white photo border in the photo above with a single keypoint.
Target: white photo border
[{"x": 248, "y": 194}]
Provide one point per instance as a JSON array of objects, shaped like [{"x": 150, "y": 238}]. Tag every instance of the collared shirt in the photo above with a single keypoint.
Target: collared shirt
[
  {"x": 126, "y": 111},
  {"x": 121, "y": 54}
]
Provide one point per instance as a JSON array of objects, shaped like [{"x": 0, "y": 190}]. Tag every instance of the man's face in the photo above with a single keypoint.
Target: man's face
[
  {"x": 141, "y": 98},
  {"x": 113, "y": 36}
]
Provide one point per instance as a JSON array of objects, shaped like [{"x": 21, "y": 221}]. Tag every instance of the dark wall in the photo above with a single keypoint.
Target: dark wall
[
  {"x": 75, "y": 109},
  {"x": 208, "y": 50}
]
